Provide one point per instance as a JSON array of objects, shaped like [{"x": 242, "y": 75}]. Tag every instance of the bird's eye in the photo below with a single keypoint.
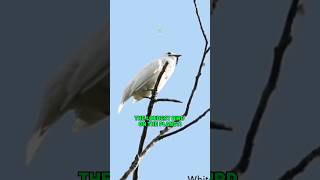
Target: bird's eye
[{"x": 169, "y": 53}]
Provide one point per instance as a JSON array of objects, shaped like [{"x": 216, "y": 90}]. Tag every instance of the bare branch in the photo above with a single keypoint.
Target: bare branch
[
  {"x": 164, "y": 99},
  {"x": 161, "y": 135},
  {"x": 135, "y": 164},
  {"x": 200, "y": 22},
  {"x": 279, "y": 51},
  {"x": 150, "y": 108},
  {"x": 300, "y": 167},
  {"x": 167, "y": 100},
  {"x": 205, "y": 52},
  {"x": 186, "y": 126},
  {"x": 219, "y": 126}
]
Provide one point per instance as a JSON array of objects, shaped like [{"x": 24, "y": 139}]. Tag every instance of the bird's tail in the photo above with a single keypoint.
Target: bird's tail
[
  {"x": 120, "y": 107},
  {"x": 34, "y": 143}
]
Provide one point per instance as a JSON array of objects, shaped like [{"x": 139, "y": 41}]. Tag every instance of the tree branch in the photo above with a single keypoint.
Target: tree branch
[
  {"x": 135, "y": 164},
  {"x": 167, "y": 100},
  {"x": 205, "y": 52},
  {"x": 279, "y": 51},
  {"x": 300, "y": 167},
  {"x": 219, "y": 126},
  {"x": 150, "y": 108},
  {"x": 161, "y": 135},
  {"x": 186, "y": 126}
]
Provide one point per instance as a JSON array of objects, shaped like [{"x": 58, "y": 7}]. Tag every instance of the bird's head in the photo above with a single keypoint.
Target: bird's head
[{"x": 170, "y": 54}]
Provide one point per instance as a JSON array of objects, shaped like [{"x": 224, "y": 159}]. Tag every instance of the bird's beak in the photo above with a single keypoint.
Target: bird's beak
[{"x": 177, "y": 55}]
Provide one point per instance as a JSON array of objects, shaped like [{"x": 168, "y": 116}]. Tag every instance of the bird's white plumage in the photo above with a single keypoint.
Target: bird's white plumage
[
  {"x": 81, "y": 85},
  {"x": 142, "y": 84}
]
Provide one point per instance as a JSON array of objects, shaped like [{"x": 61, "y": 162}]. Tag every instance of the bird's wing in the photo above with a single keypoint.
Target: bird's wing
[
  {"x": 142, "y": 78},
  {"x": 147, "y": 74},
  {"x": 93, "y": 68}
]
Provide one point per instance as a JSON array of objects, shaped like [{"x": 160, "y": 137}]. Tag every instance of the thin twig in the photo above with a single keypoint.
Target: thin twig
[
  {"x": 150, "y": 108},
  {"x": 279, "y": 51},
  {"x": 167, "y": 100},
  {"x": 205, "y": 51},
  {"x": 300, "y": 167},
  {"x": 219, "y": 126},
  {"x": 139, "y": 156},
  {"x": 186, "y": 126}
]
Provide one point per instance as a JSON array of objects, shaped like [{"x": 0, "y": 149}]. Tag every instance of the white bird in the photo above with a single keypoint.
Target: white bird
[
  {"x": 82, "y": 85},
  {"x": 142, "y": 84}
]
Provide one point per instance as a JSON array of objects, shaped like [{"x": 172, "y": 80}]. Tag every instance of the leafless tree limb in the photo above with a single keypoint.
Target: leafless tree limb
[
  {"x": 285, "y": 40},
  {"x": 279, "y": 51},
  {"x": 150, "y": 108},
  {"x": 186, "y": 126},
  {"x": 159, "y": 137},
  {"x": 141, "y": 153},
  {"x": 300, "y": 167},
  {"x": 167, "y": 100},
  {"x": 219, "y": 126},
  {"x": 205, "y": 52}
]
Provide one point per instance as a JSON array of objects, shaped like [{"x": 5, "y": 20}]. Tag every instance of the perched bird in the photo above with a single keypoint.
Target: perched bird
[
  {"x": 142, "y": 84},
  {"x": 82, "y": 86}
]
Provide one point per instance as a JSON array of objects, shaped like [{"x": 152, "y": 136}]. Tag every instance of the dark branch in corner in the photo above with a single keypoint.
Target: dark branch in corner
[
  {"x": 299, "y": 168},
  {"x": 145, "y": 128},
  {"x": 279, "y": 51},
  {"x": 219, "y": 126}
]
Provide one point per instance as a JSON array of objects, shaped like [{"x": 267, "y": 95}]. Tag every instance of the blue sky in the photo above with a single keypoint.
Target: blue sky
[{"x": 141, "y": 32}]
